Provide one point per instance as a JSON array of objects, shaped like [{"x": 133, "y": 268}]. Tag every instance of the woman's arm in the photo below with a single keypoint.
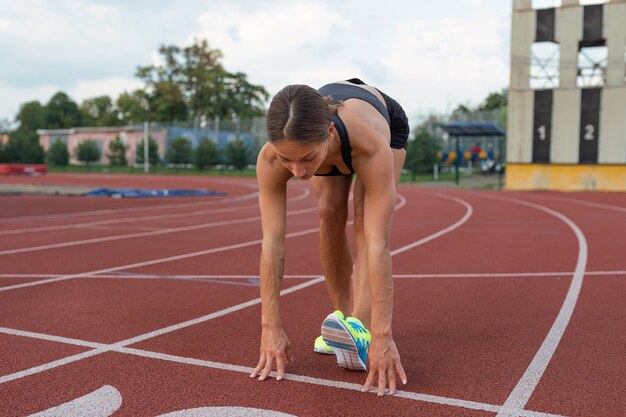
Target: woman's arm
[
  {"x": 275, "y": 345},
  {"x": 374, "y": 165}
]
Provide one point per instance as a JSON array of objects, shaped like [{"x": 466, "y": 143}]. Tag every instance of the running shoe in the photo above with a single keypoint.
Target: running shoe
[
  {"x": 349, "y": 339},
  {"x": 322, "y": 347}
]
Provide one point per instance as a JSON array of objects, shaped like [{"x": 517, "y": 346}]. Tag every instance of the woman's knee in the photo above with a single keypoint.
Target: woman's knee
[{"x": 332, "y": 214}]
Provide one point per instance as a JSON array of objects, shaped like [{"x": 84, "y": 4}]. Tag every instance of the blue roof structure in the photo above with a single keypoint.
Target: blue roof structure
[{"x": 473, "y": 129}]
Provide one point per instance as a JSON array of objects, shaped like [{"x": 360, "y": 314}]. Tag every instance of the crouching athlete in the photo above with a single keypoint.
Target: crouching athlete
[{"x": 326, "y": 136}]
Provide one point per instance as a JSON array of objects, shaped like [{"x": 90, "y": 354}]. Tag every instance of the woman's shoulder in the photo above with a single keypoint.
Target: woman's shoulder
[
  {"x": 269, "y": 170},
  {"x": 366, "y": 128}
]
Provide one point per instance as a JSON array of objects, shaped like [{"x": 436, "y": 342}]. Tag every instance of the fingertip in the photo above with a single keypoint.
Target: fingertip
[{"x": 404, "y": 381}]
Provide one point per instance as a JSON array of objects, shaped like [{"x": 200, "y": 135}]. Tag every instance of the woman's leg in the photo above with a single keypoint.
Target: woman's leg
[
  {"x": 332, "y": 200},
  {"x": 360, "y": 282}
]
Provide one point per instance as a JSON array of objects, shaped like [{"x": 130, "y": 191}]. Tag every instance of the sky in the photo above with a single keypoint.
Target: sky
[{"x": 429, "y": 55}]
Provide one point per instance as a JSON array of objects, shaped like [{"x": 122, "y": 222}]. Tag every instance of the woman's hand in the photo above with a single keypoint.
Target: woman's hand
[
  {"x": 384, "y": 359},
  {"x": 275, "y": 345}
]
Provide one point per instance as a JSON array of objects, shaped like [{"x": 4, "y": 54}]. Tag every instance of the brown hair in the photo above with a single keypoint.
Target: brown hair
[{"x": 300, "y": 113}]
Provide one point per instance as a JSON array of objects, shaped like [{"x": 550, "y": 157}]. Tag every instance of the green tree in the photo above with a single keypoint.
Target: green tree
[
  {"x": 133, "y": 107},
  {"x": 99, "y": 111},
  {"x": 237, "y": 154},
  {"x": 117, "y": 153},
  {"x": 167, "y": 103},
  {"x": 4, "y": 155},
  {"x": 206, "y": 153},
  {"x": 495, "y": 100},
  {"x": 88, "y": 151},
  {"x": 208, "y": 90},
  {"x": 179, "y": 152},
  {"x": 242, "y": 98},
  {"x": 421, "y": 153},
  {"x": 58, "y": 154},
  {"x": 31, "y": 116},
  {"x": 24, "y": 147},
  {"x": 62, "y": 112},
  {"x": 153, "y": 152}
]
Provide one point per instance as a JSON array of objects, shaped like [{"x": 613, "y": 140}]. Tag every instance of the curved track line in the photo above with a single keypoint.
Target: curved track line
[
  {"x": 395, "y": 276},
  {"x": 132, "y": 209},
  {"x": 220, "y": 249},
  {"x": 121, "y": 346},
  {"x": 127, "y": 209},
  {"x": 583, "y": 203},
  {"x": 103, "y": 402},
  {"x": 171, "y": 258},
  {"x": 145, "y": 234},
  {"x": 525, "y": 387},
  {"x": 303, "y": 196},
  {"x": 100, "y": 348},
  {"x": 468, "y": 214}
]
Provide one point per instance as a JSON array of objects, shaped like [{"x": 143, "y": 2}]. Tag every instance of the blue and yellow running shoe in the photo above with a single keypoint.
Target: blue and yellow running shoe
[
  {"x": 322, "y": 347},
  {"x": 349, "y": 339}
]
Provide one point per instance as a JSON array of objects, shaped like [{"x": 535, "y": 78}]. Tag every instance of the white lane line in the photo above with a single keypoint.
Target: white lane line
[
  {"x": 136, "y": 339},
  {"x": 99, "y": 348},
  {"x": 120, "y": 346},
  {"x": 145, "y": 234},
  {"x": 582, "y": 203},
  {"x": 468, "y": 213},
  {"x": 103, "y": 402},
  {"x": 125, "y": 220},
  {"x": 525, "y": 387},
  {"x": 395, "y": 276},
  {"x": 212, "y": 316},
  {"x": 102, "y": 348},
  {"x": 309, "y": 380},
  {"x": 50, "y": 365},
  {"x": 225, "y": 412},
  {"x": 168, "y": 259},
  {"x": 140, "y": 218},
  {"x": 128, "y": 209}
]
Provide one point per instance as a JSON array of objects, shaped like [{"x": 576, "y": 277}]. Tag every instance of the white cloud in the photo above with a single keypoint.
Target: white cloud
[
  {"x": 21, "y": 95},
  {"x": 111, "y": 87},
  {"x": 429, "y": 57}
]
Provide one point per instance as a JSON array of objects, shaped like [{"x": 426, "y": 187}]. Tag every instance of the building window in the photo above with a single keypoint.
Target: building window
[
  {"x": 592, "y": 63},
  {"x": 544, "y": 65},
  {"x": 545, "y": 4},
  {"x": 590, "y": 2}
]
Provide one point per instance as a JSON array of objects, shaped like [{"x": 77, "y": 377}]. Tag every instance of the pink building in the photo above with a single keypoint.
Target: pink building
[{"x": 132, "y": 136}]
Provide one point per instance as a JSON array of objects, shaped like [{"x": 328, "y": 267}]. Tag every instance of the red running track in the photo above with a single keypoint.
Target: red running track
[{"x": 506, "y": 304}]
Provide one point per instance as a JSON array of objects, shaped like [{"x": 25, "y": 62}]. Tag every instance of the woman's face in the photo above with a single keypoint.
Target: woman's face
[{"x": 302, "y": 159}]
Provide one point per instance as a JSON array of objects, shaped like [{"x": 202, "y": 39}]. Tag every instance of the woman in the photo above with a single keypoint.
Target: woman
[{"x": 327, "y": 135}]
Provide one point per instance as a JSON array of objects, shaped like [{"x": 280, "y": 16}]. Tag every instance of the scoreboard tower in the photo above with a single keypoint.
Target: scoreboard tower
[{"x": 567, "y": 97}]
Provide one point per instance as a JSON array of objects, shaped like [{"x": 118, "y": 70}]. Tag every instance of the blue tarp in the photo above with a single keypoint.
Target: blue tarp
[{"x": 134, "y": 192}]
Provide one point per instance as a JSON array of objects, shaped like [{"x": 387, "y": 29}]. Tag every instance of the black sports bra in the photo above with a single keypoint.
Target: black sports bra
[{"x": 340, "y": 92}]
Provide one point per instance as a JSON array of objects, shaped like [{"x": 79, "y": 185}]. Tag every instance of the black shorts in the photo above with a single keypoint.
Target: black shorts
[{"x": 398, "y": 122}]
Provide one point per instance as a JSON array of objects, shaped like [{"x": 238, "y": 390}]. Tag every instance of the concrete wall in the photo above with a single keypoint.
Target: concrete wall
[{"x": 564, "y": 172}]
